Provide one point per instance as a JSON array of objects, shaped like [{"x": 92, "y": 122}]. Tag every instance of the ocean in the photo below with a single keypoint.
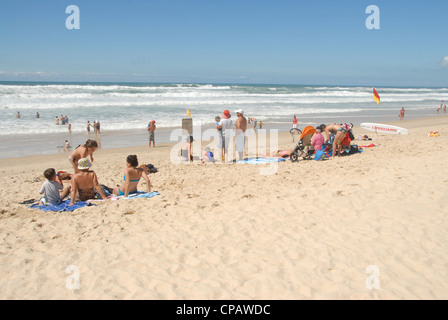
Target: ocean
[{"x": 124, "y": 109}]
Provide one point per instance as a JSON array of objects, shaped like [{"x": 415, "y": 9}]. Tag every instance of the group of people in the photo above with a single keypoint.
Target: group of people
[
  {"x": 63, "y": 120},
  {"x": 336, "y": 135},
  {"x": 253, "y": 122},
  {"x": 84, "y": 183},
  {"x": 96, "y": 127},
  {"x": 442, "y": 106}
]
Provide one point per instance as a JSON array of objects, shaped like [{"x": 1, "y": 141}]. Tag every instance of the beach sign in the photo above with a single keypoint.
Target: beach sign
[{"x": 383, "y": 128}]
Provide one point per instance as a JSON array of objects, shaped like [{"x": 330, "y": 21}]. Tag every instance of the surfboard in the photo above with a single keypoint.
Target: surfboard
[{"x": 383, "y": 128}]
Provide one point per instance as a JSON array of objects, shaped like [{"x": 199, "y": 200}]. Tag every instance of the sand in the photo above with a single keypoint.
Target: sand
[{"x": 312, "y": 230}]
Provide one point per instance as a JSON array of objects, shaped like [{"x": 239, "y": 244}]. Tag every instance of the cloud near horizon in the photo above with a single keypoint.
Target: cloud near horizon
[{"x": 444, "y": 61}]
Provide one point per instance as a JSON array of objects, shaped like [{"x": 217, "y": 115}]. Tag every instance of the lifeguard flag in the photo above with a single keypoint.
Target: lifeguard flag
[
  {"x": 376, "y": 96},
  {"x": 188, "y": 113}
]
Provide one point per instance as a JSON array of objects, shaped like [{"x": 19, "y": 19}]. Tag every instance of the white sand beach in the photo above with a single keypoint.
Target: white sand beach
[{"x": 310, "y": 231}]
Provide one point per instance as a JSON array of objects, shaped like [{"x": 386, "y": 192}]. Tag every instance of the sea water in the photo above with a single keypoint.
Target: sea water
[{"x": 124, "y": 109}]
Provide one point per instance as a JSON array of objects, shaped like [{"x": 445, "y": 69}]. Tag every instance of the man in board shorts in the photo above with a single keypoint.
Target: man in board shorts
[{"x": 151, "y": 129}]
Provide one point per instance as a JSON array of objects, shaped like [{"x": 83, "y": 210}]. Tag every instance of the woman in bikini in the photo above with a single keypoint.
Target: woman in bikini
[
  {"x": 132, "y": 176},
  {"x": 82, "y": 152},
  {"x": 84, "y": 182},
  {"x": 340, "y": 132}
]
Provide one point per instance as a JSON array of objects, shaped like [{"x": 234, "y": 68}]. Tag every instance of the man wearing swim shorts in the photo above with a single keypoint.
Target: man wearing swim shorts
[
  {"x": 240, "y": 137},
  {"x": 151, "y": 129}
]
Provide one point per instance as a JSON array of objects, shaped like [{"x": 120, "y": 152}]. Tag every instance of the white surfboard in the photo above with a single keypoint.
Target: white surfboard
[{"x": 384, "y": 128}]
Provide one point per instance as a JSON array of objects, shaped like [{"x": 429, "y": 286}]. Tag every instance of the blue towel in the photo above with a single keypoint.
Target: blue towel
[
  {"x": 261, "y": 160},
  {"x": 142, "y": 194},
  {"x": 64, "y": 206}
]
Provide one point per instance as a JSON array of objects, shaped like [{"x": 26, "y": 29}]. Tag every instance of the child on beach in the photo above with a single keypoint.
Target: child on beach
[
  {"x": 82, "y": 152},
  {"x": 318, "y": 139},
  {"x": 208, "y": 155},
  {"x": 51, "y": 188}
]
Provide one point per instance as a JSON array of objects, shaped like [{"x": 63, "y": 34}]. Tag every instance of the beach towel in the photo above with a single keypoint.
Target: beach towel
[
  {"x": 141, "y": 194},
  {"x": 260, "y": 160},
  {"x": 64, "y": 206}
]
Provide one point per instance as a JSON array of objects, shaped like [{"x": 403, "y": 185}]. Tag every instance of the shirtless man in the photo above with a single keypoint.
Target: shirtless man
[
  {"x": 240, "y": 137},
  {"x": 151, "y": 129},
  {"x": 339, "y": 131}
]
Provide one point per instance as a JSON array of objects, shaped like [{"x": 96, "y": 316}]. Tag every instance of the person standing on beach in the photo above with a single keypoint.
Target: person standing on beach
[
  {"x": 98, "y": 126},
  {"x": 295, "y": 123},
  {"x": 37, "y": 115},
  {"x": 88, "y": 126},
  {"x": 254, "y": 123},
  {"x": 402, "y": 114},
  {"x": 240, "y": 134},
  {"x": 225, "y": 125},
  {"x": 57, "y": 120},
  {"x": 18, "y": 115},
  {"x": 151, "y": 131},
  {"x": 339, "y": 133},
  {"x": 261, "y": 125}
]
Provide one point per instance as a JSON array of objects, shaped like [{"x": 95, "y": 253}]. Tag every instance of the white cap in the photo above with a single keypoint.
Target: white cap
[{"x": 240, "y": 111}]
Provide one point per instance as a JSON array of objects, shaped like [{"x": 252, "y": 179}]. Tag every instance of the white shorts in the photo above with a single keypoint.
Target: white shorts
[{"x": 240, "y": 141}]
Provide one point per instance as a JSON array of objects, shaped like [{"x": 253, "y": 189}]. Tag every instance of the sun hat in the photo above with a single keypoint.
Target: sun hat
[
  {"x": 84, "y": 164},
  {"x": 240, "y": 111},
  {"x": 226, "y": 114}
]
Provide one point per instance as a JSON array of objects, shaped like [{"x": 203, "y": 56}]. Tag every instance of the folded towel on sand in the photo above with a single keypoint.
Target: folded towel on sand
[
  {"x": 261, "y": 160},
  {"x": 64, "y": 206}
]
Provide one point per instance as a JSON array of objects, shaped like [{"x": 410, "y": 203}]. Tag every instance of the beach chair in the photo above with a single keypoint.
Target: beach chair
[{"x": 303, "y": 148}]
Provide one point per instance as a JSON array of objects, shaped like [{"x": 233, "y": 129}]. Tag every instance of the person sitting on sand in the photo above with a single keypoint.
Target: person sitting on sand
[
  {"x": 208, "y": 155},
  {"x": 185, "y": 151},
  {"x": 318, "y": 139},
  {"x": 51, "y": 188},
  {"x": 132, "y": 176},
  {"x": 82, "y": 152},
  {"x": 84, "y": 183}
]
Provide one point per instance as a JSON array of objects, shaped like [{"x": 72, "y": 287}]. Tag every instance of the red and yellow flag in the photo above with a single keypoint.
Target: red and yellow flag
[{"x": 376, "y": 96}]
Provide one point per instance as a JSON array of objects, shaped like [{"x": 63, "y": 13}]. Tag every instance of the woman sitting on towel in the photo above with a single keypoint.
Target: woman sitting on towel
[
  {"x": 132, "y": 176},
  {"x": 84, "y": 182}
]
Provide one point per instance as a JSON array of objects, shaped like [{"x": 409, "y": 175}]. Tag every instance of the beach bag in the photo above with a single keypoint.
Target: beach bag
[
  {"x": 148, "y": 168},
  {"x": 353, "y": 149}
]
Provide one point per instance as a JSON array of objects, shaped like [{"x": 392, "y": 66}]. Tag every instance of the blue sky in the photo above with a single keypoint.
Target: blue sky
[{"x": 217, "y": 41}]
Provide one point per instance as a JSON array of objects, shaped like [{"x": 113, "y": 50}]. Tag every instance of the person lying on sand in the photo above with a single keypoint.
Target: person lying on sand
[
  {"x": 132, "y": 176},
  {"x": 84, "y": 182},
  {"x": 364, "y": 138}
]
